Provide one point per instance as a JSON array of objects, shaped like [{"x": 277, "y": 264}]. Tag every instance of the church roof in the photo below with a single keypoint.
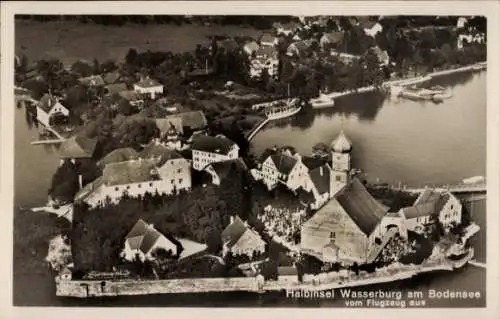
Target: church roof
[
  {"x": 360, "y": 205},
  {"x": 341, "y": 143}
]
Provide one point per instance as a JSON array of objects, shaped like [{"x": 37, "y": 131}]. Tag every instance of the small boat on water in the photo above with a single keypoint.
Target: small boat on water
[
  {"x": 435, "y": 93},
  {"x": 474, "y": 180},
  {"x": 322, "y": 101}
]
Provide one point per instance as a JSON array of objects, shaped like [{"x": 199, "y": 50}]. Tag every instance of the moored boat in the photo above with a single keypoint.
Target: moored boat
[
  {"x": 282, "y": 109},
  {"x": 322, "y": 101}
]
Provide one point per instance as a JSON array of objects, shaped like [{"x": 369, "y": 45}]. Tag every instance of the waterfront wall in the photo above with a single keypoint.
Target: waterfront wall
[{"x": 331, "y": 280}]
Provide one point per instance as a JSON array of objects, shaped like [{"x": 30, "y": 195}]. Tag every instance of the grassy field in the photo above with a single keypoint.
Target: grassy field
[{"x": 70, "y": 40}]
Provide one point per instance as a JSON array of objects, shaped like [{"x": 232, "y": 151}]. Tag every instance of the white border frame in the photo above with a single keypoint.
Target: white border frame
[{"x": 490, "y": 9}]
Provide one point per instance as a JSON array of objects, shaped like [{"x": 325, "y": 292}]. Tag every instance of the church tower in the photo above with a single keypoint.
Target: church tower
[{"x": 341, "y": 162}]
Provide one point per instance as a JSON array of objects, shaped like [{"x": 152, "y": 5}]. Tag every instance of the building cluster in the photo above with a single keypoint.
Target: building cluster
[{"x": 468, "y": 34}]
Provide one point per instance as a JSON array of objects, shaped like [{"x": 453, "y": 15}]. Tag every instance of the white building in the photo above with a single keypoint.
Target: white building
[
  {"x": 250, "y": 48},
  {"x": 49, "y": 106},
  {"x": 239, "y": 239},
  {"x": 431, "y": 207},
  {"x": 285, "y": 168},
  {"x": 371, "y": 28},
  {"x": 268, "y": 40},
  {"x": 142, "y": 241},
  {"x": 461, "y": 22},
  {"x": 341, "y": 161},
  {"x": 211, "y": 149},
  {"x": 158, "y": 169},
  {"x": 149, "y": 86}
]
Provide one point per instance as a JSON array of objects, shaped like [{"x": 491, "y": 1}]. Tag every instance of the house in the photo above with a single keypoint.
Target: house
[
  {"x": 149, "y": 87},
  {"x": 268, "y": 40},
  {"x": 118, "y": 155},
  {"x": 115, "y": 88},
  {"x": 239, "y": 239},
  {"x": 171, "y": 131},
  {"x": 142, "y": 241},
  {"x": 226, "y": 170},
  {"x": 351, "y": 228},
  {"x": 321, "y": 185},
  {"x": 48, "y": 107},
  {"x": 170, "y": 165},
  {"x": 431, "y": 207},
  {"x": 287, "y": 28},
  {"x": 211, "y": 149},
  {"x": 299, "y": 48},
  {"x": 250, "y": 47},
  {"x": 264, "y": 58},
  {"x": 461, "y": 22},
  {"x": 382, "y": 55},
  {"x": 331, "y": 40},
  {"x": 469, "y": 38},
  {"x": 93, "y": 80},
  {"x": 78, "y": 147},
  {"x": 132, "y": 97},
  {"x": 285, "y": 168},
  {"x": 266, "y": 53},
  {"x": 158, "y": 169},
  {"x": 371, "y": 28}
]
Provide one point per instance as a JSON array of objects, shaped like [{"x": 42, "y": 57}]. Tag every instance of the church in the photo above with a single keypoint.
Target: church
[{"x": 352, "y": 227}]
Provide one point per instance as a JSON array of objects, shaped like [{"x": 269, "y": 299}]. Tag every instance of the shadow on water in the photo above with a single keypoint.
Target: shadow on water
[
  {"x": 452, "y": 80},
  {"x": 365, "y": 106}
]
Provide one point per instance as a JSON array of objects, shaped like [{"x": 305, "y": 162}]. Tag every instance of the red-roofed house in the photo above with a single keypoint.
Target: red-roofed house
[
  {"x": 239, "y": 239},
  {"x": 142, "y": 241},
  {"x": 149, "y": 86}
]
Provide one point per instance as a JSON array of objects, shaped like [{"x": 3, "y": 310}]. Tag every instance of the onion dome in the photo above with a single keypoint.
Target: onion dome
[{"x": 341, "y": 143}]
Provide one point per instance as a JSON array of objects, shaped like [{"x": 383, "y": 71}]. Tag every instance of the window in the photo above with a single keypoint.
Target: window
[
  {"x": 451, "y": 206},
  {"x": 179, "y": 170},
  {"x": 139, "y": 186},
  {"x": 338, "y": 178},
  {"x": 117, "y": 189},
  {"x": 180, "y": 180},
  {"x": 150, "y": 184},
  {"x": 171, "y": 181}
]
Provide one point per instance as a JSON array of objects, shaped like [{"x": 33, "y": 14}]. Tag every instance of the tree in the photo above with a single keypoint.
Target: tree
[
  {"x": 82, "y": 69},
  {"x": 131, "y": 57}
]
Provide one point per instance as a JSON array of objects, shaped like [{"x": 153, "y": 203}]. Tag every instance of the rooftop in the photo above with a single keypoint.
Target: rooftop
[
  {"x": 119, "y": 155},
  {"x": 212, "y": 144},
  {"x": 363, "y": 209},
  {"x": 78, "y": 146},
  {"x": 142, "y": 237},
  {"x": 320, "y": 177},
  {"x": 233, "y": 232},
  {"x": 134, "y": 171},
  {"x": 284, "y": 163},
  {"x": 148, "y": 83},
  {"x": 341, "y": 143}
]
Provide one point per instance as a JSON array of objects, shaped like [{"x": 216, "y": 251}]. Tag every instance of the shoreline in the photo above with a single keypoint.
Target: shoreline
[
  {"x": 395, "y": 272},
  {"x": 387, "y": 84}
]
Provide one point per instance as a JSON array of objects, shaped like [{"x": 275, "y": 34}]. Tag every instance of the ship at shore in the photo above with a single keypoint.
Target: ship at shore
[{"x": 282, "y": 108}]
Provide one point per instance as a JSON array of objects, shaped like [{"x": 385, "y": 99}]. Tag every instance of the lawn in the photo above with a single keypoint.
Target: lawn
[{"x": 70, "y": 40}]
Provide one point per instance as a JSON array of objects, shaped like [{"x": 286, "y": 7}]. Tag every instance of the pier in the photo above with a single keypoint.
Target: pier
[
  {"x": 456, "y": 189},
  {"x": 65, "y": 211},
  {"x": 477, "y": 264},
  {"x": 254, "y": 131},
  {"x": 52, "y": 141}
]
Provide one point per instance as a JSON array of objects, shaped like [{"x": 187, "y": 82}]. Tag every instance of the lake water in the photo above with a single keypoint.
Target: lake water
[{"x": 418, "y": 143}]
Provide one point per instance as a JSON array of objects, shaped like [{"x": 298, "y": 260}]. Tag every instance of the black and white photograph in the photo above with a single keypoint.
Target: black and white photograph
[{"x": 250, "y": 160}]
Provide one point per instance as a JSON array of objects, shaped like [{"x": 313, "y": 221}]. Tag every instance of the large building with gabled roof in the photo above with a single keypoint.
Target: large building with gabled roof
[
  {"x": 431, "y": 207},
  {"x": 211, "y": 149},
  {"x": 351, "y": 228},
  {"x": 239, "y": 239},
  {"x": 142, "y": 241}
]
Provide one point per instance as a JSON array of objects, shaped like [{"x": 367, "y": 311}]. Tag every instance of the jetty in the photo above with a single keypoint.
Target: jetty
[
  {"x": 255, "y": 130},
  {"x": 477, "y": 264},
  {"x": 64, "y": 211},
  {"x": 456, "y": 189},
  {"x": 51, "y": 141}
]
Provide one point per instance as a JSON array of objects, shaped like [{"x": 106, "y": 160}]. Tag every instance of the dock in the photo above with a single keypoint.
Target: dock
[
  {"x": 51, "y": 141},
  {"x": 477, "y": 264}
]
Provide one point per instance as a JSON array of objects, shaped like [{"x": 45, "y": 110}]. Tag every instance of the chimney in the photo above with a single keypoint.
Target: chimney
[
  {"x": 231, "y": 219},
  {"x": 321, "y": 170},
  {"x": 80, "y": 181}
]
